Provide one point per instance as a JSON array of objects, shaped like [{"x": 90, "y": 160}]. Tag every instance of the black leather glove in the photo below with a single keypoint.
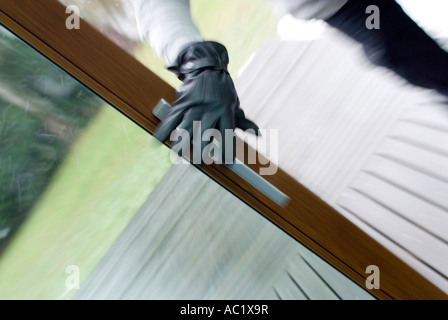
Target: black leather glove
[
  {"x": 399, "y": 44},
  {"x": 208, "y": 95}
]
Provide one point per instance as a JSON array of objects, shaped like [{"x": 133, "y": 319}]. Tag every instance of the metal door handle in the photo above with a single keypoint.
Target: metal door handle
[{"x": 161, "y": 111}]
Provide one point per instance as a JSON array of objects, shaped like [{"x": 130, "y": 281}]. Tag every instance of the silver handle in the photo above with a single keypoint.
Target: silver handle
[{"x": 161, "y": 111}]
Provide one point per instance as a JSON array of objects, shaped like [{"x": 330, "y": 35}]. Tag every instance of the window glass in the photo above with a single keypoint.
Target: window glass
[
  {"x": 92, "y": 207},
  {"x": 73, "y": 172}
]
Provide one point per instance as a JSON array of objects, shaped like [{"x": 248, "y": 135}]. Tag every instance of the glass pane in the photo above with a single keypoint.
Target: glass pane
[
  {"x": 73, "y": 172},
  {"x": 350, "y": 131},
  {"x": 194, "y": 240},
  {"x": 90, "y": 199}
]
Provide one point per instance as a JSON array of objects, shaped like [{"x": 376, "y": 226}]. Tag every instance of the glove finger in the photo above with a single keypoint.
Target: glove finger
[
  {"x": 248, "y": 125},
  {"x": 191, "y": 134},
  {"x": 208, "y": 148},
  {"x": 169, "y": 124},
  {"x": 228, "y": 142},
  {"x": 245, "y": 124}
]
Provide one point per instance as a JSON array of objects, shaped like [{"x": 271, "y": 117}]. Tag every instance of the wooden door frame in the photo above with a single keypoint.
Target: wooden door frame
[{"x": 130, "y": 87}]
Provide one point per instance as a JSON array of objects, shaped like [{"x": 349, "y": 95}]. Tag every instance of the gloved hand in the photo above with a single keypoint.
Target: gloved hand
[{"x": 207, "y": 95}]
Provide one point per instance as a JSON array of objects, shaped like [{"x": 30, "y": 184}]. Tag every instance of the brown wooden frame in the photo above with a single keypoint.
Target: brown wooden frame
[{"x": 130, "y": 87}]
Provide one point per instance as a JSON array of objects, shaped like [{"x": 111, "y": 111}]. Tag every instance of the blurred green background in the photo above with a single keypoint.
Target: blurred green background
[{"x": 70, "y": 193}]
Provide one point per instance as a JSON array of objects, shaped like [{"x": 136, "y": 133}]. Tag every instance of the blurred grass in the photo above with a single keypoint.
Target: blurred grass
[
  {"x": 112, "y": 170},
  {"x": 107, "y": 176}
]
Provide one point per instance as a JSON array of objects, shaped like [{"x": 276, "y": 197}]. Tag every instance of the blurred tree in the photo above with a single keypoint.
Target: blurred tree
[{"x": 42, "y": 111}]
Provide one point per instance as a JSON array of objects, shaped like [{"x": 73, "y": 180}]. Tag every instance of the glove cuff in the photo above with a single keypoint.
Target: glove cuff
[{"x": 200, "y": 56}]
